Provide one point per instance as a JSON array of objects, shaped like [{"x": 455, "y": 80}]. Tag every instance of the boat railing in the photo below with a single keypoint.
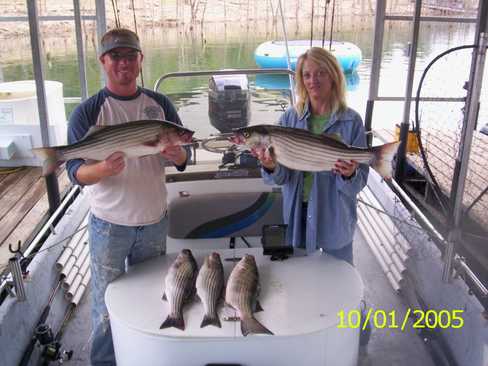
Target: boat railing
[{"x": 179, "y": 74}]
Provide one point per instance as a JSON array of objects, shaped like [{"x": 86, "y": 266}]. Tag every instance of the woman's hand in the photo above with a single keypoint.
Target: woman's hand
[
  {"x": 264, "y": 157},
  {"x": 345, "y": 168},
  {"x": 174, "y": 153}
]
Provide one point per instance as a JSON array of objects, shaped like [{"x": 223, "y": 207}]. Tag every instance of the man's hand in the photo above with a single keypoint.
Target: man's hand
[
  {"x": 112, "y": 165},
  {"x": 345, "y": 168},
  {"x": 94, "y": 172},
  {"x": 175, "y": 154},
  {"x": 264, "y": 157}
]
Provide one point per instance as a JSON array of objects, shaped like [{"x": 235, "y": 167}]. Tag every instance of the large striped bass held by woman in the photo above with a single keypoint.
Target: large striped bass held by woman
[
  {"x": 179, "y": 288},
  {"x": 134, "y": 139},
  {"x": 303, "y": 150},
  {"x": 241, "y": 294}
]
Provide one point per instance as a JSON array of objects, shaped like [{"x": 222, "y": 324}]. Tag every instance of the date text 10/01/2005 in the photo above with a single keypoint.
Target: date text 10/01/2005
[{"x": 381, "y": 319}]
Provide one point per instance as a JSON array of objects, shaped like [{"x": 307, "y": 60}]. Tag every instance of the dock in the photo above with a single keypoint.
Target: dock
[{"x": 23, "y": 206}]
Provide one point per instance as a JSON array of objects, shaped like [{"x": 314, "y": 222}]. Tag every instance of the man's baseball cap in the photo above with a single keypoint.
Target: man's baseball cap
[{"x": 119, "y": 37}]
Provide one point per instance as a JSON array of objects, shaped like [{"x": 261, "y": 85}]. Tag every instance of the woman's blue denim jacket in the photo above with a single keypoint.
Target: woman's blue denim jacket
[{"x": 332, "y": 216}]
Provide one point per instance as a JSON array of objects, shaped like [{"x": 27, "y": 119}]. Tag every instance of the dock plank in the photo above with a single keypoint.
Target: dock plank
[
  {"x": 27, "y": 225},
  {"x": 17, "y": 193},
  {"x": 8, "y": 180}
]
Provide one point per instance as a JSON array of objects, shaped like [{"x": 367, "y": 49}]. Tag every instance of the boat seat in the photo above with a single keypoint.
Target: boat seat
[{"x": 218, "y": 215}]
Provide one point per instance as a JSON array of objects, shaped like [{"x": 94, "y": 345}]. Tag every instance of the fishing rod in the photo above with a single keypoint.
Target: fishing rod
[
  {"x": 52, "y": 350},
  {"x": 42, "y": 319}
]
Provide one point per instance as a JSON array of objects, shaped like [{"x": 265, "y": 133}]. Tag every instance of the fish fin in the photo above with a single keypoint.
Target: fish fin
[
  {"x": 92, "y": 130},
  {"x": 335, "y": 136},
  {"x": 258, "y": 307},
  {"x": 383, "y": 157},
  {"x": 50, "y": 159},
  {"x": 249, "y": 325},
  {"x": 211, "y": 320},
  {"x": 176, "y": 322}
]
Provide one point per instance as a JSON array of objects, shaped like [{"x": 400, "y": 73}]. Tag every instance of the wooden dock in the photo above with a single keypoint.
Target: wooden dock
[
  {"x": 23, "y": 206},
  {"x": 441, "y": 149}
]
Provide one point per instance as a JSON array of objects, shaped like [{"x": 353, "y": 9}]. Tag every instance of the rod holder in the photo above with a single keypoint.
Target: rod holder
[{"x": 17, "y": 278}]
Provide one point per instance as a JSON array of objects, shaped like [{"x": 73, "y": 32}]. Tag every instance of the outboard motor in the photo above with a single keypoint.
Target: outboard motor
[{"x": 229, "y": 102}]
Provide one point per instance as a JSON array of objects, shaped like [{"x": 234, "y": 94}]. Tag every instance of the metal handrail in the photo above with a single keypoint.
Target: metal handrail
[
  {"x": 46, "y": 227},
  {"x": 460, "y": 263}
]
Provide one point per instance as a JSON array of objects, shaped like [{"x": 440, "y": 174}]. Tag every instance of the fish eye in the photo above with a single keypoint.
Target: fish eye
[{"x": 246, "y": 134}]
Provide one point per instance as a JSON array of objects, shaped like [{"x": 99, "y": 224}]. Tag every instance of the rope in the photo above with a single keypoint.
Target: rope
[
  {"x": 30, "y": 256},
  {"x": 332, "y": 25},
  {"x": 325, "y": 21},
  {"x": 135, "y": 29},
  {"x": 10, "y": 170},
  {"x": 116, "y": 13},
  {"x": 311, "y": 25},
  {"x": 394, "y": 218}
]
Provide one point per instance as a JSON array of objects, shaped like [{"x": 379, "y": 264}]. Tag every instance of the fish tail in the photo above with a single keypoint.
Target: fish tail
[
  {"x": 383, "y": 157},
  {"x": 211, "y": 320},
  {"x": 173, "y": 321},
  {"x": 49, "y": 157},
  {"x": 250, "y": 325}
]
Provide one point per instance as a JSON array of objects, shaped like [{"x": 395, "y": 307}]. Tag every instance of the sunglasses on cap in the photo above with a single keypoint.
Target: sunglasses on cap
[{"x": 119, "y": 56}]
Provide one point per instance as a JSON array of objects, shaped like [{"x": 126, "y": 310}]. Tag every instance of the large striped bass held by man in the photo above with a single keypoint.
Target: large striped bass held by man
[
  {"x": 134, "y": 139},
  {"x": 210, "y": 287},
  {"x": 299, "y": 149},
  {"x": 241, "y": 294},
  {"x": 179, "y": 288}
]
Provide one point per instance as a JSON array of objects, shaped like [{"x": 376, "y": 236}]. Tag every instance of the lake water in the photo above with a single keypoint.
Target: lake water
[{"x": 168, "y": 51}]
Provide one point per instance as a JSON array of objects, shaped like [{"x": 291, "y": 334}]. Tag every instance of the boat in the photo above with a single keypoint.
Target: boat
[
  {"x": 273, "y": 54},
  {"x": 221, "y": 204}
]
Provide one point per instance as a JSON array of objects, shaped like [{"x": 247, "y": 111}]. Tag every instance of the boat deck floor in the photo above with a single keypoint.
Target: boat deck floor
[
  {"x": 23, "y": 205},
  {"x": 387, "y": 347}
]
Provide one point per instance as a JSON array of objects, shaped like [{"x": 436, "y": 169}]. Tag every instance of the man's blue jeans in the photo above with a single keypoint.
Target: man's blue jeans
[{"x": 110, "y": 246}]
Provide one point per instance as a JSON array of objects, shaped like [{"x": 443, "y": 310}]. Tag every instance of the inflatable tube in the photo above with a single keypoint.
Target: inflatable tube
[{"x": 272, "y": 54}]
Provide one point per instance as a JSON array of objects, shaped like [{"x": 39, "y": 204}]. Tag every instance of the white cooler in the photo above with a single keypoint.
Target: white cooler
[{"x": 301, "y": 297}]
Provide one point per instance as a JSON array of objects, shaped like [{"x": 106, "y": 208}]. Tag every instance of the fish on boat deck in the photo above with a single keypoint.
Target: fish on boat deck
[
  {"x": 179, "y": 288},
  {"x": 210, "y": 287},
  {"x": 299, "y": 149},
  {"x": 241, "y": 294},
  {"x": 134, "y": 139}
]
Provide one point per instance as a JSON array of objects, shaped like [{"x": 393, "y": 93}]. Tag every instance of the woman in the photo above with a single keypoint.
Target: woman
[{"x": 320, "y": 207}]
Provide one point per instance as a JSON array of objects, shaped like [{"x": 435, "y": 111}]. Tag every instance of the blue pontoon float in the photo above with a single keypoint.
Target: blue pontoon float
[{"x": 272, "y": 54}]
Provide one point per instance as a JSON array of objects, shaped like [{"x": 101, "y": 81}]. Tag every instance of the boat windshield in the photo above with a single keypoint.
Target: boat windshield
[{"x": 214, "y": 103}]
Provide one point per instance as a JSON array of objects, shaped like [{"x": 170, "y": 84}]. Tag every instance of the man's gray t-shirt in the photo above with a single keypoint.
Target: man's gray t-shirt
[{"x": 136, "y": 196}]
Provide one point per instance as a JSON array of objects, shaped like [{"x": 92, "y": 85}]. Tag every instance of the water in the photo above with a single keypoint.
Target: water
[{"x": 168, "y": 52}]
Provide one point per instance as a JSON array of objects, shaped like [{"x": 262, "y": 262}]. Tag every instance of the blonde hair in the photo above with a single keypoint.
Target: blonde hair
[{"x": 328, "y": 62}]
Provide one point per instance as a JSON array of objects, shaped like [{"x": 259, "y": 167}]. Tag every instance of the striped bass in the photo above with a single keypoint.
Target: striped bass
[
  {"x": 303, "y": 150},
  {"x": 241, "y": 294},
  {"x": 134, "y": 139},
  {"x": 210, "y": 286},
  {"x": 179, "y": 288}
]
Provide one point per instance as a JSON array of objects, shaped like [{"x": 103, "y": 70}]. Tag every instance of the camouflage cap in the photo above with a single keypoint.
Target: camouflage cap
[{"x": 119, "y": 37}]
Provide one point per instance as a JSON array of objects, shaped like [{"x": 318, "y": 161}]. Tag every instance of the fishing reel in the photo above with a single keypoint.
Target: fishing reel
[
  {"x": 233, "y": 157},
  {"x": 51, "y": 347}
]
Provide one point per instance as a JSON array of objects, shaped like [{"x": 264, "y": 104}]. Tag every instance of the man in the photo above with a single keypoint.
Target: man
[{"x": 127, "y": 196}]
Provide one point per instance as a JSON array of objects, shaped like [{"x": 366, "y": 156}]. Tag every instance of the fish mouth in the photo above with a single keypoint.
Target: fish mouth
[
  {"x": 187, "y": 137},
  {"x": 238, "y": 139}
]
